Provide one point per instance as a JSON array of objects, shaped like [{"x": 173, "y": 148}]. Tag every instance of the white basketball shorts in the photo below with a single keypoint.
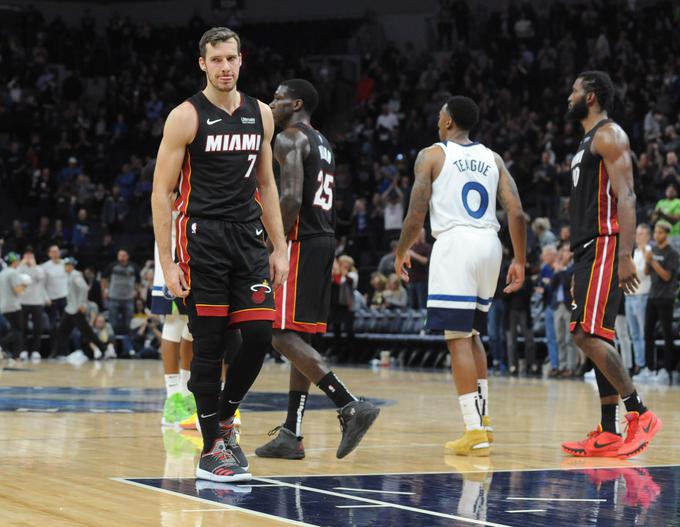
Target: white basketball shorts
[{"x": 464, "y": 268}]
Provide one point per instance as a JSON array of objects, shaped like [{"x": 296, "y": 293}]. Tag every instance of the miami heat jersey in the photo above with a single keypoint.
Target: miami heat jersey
[
  {"x": 464, "y": 193},
  {"x": 593, "y": 202},
  {"x": 218, "y": 180},
  {"x": 317, "y": 213}
]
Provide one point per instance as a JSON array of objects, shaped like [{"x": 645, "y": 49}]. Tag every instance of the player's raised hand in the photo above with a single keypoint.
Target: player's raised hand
[
  {"x": 402, "y": 262},
  {"x": 176, "y": 282},
  {"x": 514, "y": 278},
  {"x": 278, "y": 268}
]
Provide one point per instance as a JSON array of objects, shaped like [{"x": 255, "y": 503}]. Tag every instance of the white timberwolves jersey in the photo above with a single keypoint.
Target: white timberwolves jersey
[{"x": 464, "y": 193}]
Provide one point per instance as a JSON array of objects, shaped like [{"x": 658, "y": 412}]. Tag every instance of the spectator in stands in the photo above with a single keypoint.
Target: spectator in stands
[
  {"x": 55, "y": 286},
  {"x": 118, "y": 286},
  {"x": 74, "y": 314},
  {"x": 420, "y": 258},
  {"x": 541, "y": 228},
  {"x": 545, "y": 186},
  {"x": 12, "y": 285},
  {"x": 496, "y": 321},
  {"x": 104, "y": 332},
  {"x": 561, "y": 301},
  {"x": 519, "y": 315},
  {"x": 145, "y": 330},
  {"x": 379, "y": 284},
  {"x": 344, "y": 281},
  {"x": 395, "y": 294},
  {"x": 393, "y": 211},
  {"x": 668, "y": 209},
  {"x": 662, "y": 265},
  {"x": 33, "y": 305},
  {"x": 544, "y": 288},
  {"x": 386, "y": 265},
  {"x": 636, "y": 303}
]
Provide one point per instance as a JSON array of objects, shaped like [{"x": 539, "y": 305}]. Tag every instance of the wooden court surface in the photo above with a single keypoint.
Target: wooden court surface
[{"x": 57, "y": 468}]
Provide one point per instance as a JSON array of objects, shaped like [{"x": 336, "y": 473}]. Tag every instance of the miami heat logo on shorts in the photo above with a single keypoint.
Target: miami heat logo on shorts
[{"x": 260, "y": 292}]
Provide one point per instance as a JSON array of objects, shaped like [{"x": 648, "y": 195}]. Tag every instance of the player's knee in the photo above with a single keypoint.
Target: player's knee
[
  {"x": 257, "y": 336},
  {"x": 232, "y": 343},
  {"x": 205, "y": 375},
  {"x": 580, "y": 339}
]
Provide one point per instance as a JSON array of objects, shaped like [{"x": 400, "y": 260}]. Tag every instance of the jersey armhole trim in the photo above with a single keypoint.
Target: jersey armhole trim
[{"x": 198, "y": 122}]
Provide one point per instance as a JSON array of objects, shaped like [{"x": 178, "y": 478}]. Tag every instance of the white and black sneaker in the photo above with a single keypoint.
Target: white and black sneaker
[{"x": 219, "y": 464}]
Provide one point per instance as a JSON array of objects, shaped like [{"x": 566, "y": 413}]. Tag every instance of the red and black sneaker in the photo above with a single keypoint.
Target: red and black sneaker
[
  {"x": 598, "y": 443},
  {"x": 641, "y": 430},
  {"x": 219, "y": 464}
]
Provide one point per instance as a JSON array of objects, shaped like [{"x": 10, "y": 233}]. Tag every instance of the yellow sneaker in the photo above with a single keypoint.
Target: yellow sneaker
[
  {"x": 486, "y": 422},
  {"x": 471, "y": 443},
  {"x": 190, "y": 422}
]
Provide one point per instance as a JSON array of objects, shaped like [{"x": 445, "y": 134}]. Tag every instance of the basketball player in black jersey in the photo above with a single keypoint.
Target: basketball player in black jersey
[
  {"x": 216, "y": 148},
  {"x": 602, "y": 236},
  {"x": 307, "y": 166}
]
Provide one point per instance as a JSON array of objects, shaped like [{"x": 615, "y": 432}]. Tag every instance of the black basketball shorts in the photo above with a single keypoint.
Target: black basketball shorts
[
  {"x": 227, "y": 267},
  {"x": 303, "y": 301},
  {"x": 597, "y": 294}
]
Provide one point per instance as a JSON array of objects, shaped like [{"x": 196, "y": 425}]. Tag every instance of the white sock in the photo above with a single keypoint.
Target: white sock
[
  {"x": 171, "y": 384},
  {"x": 183, "y": 381},
  {"x": 468, "y": 407},
  {"x": 483, "y": 392}
]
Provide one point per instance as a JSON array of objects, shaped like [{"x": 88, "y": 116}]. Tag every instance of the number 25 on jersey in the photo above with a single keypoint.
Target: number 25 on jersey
[{"x": 324, "y": 194}]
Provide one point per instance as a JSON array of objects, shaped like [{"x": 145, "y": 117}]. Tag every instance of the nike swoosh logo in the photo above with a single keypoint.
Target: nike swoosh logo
[
  {"x": 258, "y": 231},
  {"x": 209, "y": 415},
  {"x": 646, "y": 429},
  {"x": 213, "y": 122},
  {"x": 587, "y": 244},
  {"x": 598, "y": 445}
]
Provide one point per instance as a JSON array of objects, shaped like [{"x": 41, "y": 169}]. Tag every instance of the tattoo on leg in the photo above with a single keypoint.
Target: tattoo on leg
[{"x": 616, "y": 373}]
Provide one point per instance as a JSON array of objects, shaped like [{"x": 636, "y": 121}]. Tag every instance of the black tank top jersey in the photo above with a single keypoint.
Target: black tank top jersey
[
  {"x": 218, "y": 173},
  {"x": 317, "y": 211},
  {"x": 593, "y": 202}
]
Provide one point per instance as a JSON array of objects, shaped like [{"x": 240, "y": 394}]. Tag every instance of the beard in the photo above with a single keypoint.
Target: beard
[{"x": 578, "y": 111}]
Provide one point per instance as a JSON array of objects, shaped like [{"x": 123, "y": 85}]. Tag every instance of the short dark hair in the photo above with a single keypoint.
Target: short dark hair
[
  {"x": 305, "y": 91},
  {"x": 217, "y": 34},
  {"x": 600, "y": 83},
  {"x": 464, "y": 111}
]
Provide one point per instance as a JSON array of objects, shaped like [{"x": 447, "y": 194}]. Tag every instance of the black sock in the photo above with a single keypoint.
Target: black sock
[
  {"x": 208, "y": 418},
  {"x": 335, "y": 390},
  {"x": 297, "y": 401},
  {"x": 634, "y": 403},
  {"x": 610, "y": 418}
]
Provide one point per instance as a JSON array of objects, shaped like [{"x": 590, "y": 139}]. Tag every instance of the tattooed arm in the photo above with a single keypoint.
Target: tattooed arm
[
  {"x": 291, "y": 147},
  {"x": 508, "y": 196},
  {"x": 611, "y": 143},
  {"x": 428, "y": 162}
]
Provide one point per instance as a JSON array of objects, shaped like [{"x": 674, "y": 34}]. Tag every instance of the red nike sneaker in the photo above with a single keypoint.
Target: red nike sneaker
[
  {"x": 641, "y": 430},
  {"x": 598, "y": 443}
]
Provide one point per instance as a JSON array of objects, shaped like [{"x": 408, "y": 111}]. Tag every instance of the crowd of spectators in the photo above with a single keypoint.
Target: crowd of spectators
[{"x": 82, "y": 109}]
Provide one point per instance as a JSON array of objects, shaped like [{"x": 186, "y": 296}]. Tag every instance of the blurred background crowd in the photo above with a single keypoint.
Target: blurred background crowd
[{"x": 82, "y": 107}]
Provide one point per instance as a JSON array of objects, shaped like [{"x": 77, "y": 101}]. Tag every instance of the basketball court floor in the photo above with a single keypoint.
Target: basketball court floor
[{"x": 83, "y": 446}]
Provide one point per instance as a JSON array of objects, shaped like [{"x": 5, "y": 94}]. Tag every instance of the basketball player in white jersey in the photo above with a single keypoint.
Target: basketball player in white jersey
[{"x": 459, "y": 180}]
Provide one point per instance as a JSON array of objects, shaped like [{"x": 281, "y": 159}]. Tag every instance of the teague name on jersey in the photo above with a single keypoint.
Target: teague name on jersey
[
  {"x": 232, "y": 142},
  {"x": 473, "y": 165}
]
